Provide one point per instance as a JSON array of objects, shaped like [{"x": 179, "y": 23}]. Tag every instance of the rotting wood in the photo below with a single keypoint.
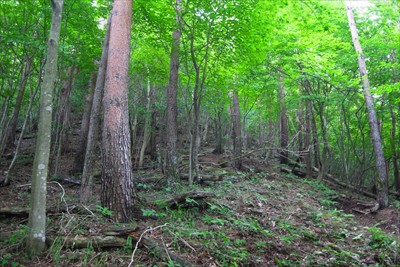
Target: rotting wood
[{"x": 181, "y": 200}]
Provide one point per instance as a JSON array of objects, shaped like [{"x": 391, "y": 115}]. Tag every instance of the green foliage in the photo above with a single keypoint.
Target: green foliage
[{"x": 104, "y": 211}]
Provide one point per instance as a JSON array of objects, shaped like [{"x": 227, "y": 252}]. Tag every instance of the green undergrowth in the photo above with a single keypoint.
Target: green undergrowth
[
  {"x": 253, "y": 220},
  {"x": 257, "y": 221}
]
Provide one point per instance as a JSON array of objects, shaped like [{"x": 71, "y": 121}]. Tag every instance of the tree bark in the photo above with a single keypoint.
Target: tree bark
[
  {"x": 307, "y": 132},
  {"x": 87, "y": 174},
  {"x": 284, "y": 155},
  {"x": 172, "y": 131},
  {"x": 37, "y": 217},
  {"x": 153, "y": 124},
  {"x": 147, "y": 125},
  {"x": 83, "y": 134},
  {"x": 62, "y": 121},
  {"x": 237, "y": 131},
  {"x": 382, "y": 182},
  {"x": 117, "y": 191},
  {"x": 218, "y": 132},
  {"x": 18, "y": 102},
  {"x": 300, "y": 117}
]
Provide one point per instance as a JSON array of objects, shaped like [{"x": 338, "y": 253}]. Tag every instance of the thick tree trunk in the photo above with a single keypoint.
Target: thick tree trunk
[
  {"x": 284, "y": 155},
  {"x": 172, "y": 130},
  {"x": 117, "y": 192},
  {"x": 83, "y": 134},
  {"x": 382, "y": 182},
  {"x": 87, "y": 174},
  {"x": 37, "y": 216},
  {"x": 237, "y": 131}
]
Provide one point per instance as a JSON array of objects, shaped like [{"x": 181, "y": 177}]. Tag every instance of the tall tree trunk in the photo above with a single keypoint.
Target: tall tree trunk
[
  {"x": 153, "y": 124},
  {"x": 307, "y": 132},
  {"x": 62, "y": 121},
  {"x": 382, "y": 182},
  {"x": 87, "y": 174},
  {"x": 284, "y": 155},
  {"x": 218, "y": 132},
  {"x": 396, "y": 173},
  {"x": 316, "y": 146},
  {"x": 147, "y": 125},
  {"x": 37, "y": 215},
  {"x": 83, "y": 134},
  {"x": 172, "y": 130},
  {"x": 300, "y": 117},
  {"x": 195, "y": 140},
  {"x": 237, "y": 131},
  {"x": 12, "y": 127},
  {"x": 117, "y": 191}
]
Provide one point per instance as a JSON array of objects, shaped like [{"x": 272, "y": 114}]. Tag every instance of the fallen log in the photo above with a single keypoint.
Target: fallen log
[
  {"x": 24, "y": 211},
  {"x": 205, "y": 177},
  {"x": 188, "y": 200},
  {"x": 294, "y": 171},
  {"x": 80, "y": 241}
]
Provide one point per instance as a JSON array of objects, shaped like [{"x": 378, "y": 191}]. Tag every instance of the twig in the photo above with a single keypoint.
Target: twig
[
  {"x": 166, "y": 250},
  {"x": 63, "y": 194},
  {"x": 140, "y": 239},
  {"x": 86, "y": 208},
  {"x": 184, "y": 241}
]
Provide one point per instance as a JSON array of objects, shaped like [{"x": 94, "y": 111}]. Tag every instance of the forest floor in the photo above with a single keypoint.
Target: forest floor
[{"x": 257, "y": 217}]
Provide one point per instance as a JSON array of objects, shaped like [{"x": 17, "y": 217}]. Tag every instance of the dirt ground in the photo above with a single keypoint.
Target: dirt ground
[{"x": 258, "y": 217}]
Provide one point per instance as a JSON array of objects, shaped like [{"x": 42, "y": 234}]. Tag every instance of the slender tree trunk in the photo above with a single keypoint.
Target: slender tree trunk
[
  {"x": 147, "y": 126},
  {"x": 382, "y": 182},
  {"x": 37, "y": 216},
  {"x": 205, "y": 131},
  {"x": 396, "y": 173},
  {"x": 316, "y": 146},
  {"x": 307, "y": 133},
  {"x": 117, "y": 191},
  {"x": 18, "y": 102},
  {"x": 284, "y": 155},
  {"x": 195, "y": 142},
  {"x": 153, "y": 124},
  {"x": 218, "y": 132},
  {"x": 237, "y": 131},
  {"x": 87, "y": 174},
  {"x": 83, "y": 134},
  {"x": 171, "y": 133},
  {"x": 62, "y": 121},
  {"x": 300, "y": 117}
]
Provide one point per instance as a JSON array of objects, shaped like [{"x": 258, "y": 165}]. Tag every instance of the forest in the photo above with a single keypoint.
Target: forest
[{"x": 199, "y": 133}]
